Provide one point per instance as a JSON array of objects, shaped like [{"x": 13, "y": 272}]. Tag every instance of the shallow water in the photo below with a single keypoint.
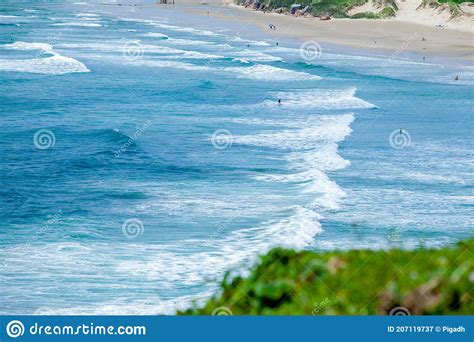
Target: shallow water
[{"x": 141, "y": 158}]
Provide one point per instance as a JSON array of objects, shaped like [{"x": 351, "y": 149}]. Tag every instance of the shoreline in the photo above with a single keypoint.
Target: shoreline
[{"x": 385, "y": 36}]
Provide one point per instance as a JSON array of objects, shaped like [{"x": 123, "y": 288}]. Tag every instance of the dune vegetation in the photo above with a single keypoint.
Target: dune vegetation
[
  {"x": 355, "y": 282},
  {"x": 382, "y": 9}
]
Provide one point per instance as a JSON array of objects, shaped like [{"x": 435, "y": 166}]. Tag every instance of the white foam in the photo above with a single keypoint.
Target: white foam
[
  {"x": 465, "y": 199},
  {"x": 78, "y": 24},
  {"x": 118, "y": 267},
  {"x": 324, "y": 158},
  {"x": 254, "y": 56},
  {"x": 331, "y": 128},
  {"x": 270, "y": 73},
  {"x": 194, "y": 42},
  {"x": 168, "y": 64},
  {"x": 53, "y": 64},
  {"x": 188, "y": 30},
  {"x": 313, "y": 151},
  {"x": 136, "y": 47},
  {"x": 90, "y": 19},
  {"x": 238, "y": 248},
  {"x": 150, "y": 306},
  {"x": 28, "y": 46},
  {"x": 192, "y": 55},
  {"x": 282, "y": 49},
  {"x": 156, "y": 35},
  {"x": 297, "y": 231},
  {"x": 429, "y": 178},
  {"x": 152, "y": 63},
  {"x": 177, "y": 41},
  {"x": 320, "y": 98},
  {"x": 141, "y": 21},
  {"x": 249, "y": 42},
  {"x": 325, "y": 192},
  {"x": 87, "y": 15}
]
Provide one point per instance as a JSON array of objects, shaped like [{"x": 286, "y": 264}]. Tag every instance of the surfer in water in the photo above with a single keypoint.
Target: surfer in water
[{"x": 279, "y": 102}]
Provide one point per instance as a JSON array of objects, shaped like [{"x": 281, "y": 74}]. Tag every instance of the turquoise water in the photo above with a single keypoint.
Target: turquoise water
[{"x": 143, "y": 153}]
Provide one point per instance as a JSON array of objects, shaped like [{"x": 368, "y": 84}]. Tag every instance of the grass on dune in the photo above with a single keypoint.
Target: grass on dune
[
  {"x": 335, "y": 8},
  {"x": 357, "y": 282},
  {"x": 340, "y": 8}
]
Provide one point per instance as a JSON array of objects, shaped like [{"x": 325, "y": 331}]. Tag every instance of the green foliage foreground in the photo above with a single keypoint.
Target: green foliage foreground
[{"x": 356, "y": 282}]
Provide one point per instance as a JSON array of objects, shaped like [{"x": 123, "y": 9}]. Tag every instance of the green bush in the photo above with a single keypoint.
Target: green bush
[
  {"x": 365, "y": 15},
  {"x": 356, "y": 282}
]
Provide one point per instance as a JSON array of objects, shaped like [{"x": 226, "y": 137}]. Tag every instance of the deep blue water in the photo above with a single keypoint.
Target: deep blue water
[{"x": 143, "y": 154}]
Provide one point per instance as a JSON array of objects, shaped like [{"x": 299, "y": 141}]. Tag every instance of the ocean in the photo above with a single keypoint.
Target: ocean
[{"x": 143, "y": 154}]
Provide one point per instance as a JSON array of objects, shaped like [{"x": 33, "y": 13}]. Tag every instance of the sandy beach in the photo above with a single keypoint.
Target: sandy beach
[{"x": 397, "y": 35}]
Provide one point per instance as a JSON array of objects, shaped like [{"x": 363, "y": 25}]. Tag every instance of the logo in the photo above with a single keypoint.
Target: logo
[
  {"x": 132, "y": 50},
  {"x": 222, "y": 311},
  {"x": 15, "y": 329},
  {"x": 399, "y": 139},
  {"x": 133, "y": 228},
  {"x": 399, "y": 311},
  {"x": 310, "y": 51},
  {"x": 221, "y": 139},
  {"x": 44, "y": 139}
]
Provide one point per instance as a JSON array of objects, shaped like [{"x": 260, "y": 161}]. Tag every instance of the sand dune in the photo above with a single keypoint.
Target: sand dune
[{"x": 410, "y": 11}]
